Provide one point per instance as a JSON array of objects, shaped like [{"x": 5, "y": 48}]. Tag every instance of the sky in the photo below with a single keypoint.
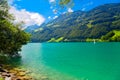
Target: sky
[{"x": 37, "y": 12}]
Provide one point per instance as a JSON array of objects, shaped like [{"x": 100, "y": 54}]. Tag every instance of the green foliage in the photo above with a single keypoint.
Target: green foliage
[
  {"x": 40, "y": 29},
  {"x": 116, "y": 37},
  {"x": 52, "y": 40},
  {"x": 92, "y": 40},
  {"x": 108, "y": 36},
  {"x": 89, "y": 25},
  {"x": 11, "y": 37},
  {"x": 1, "y": 78},
  {"x": 64, "y": 2},
  {"x": 112, "y": 36},
  {"x": 56, "y": 40}
]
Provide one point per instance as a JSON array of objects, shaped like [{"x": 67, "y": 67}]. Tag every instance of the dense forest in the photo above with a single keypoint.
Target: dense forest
[
  {"x": 101, "y": 24},
  {"x": 11, "y": 37}
]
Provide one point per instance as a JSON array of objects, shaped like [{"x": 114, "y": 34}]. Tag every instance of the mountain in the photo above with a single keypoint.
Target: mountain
[
  {"x": 29, "y": 29},
  {"x": 81, "y": 26}
]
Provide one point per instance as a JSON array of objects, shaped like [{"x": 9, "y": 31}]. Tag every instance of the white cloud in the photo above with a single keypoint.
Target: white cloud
[
  {"x": 70, "y": 10},
  {"x": 55, "y": 11},
  {"x": 55, "y": 17},
  {"x": 51, "y": 1},
  {"x": 64, "y": 13},
  {"x": 90, "y": 3},
  {"x": 49, "y": 17},
  {"x": 10, "y": 1},
  {"x": 29, "y": 18},
  {"x": 85, "y": 6},
  {"x": 83, "y": 9}
]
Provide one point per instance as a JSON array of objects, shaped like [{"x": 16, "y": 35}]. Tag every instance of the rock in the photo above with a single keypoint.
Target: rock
[
  {"x": 28, "y": 72},
  {"x": 13, "y": 71},
  {"x": 8, "y": 78},
  {"x": 10, "y": 73},
  {"x": 24, "y": 78},
  {"x": 44, "y": 78},
  {"x": 1, "y": 69},
  {"x": 4, "y": 74},
  {"x": 27, "y": 78},
  {"x": 21, "y": 74},
  {"x": 17, "y": 69},
  {"x": 18, "y": 79},
  {"x": 1, "y": 65}
]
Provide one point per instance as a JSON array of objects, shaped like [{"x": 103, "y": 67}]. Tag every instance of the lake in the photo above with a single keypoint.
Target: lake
[{"x": 72, "y": 61}]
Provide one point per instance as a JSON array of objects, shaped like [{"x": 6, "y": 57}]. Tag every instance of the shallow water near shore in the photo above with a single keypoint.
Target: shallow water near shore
[{"x": 72, "y": 61}]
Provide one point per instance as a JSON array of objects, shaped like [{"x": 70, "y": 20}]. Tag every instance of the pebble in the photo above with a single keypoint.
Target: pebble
[
  {"x": 14, "y": 74},
  {"x": 44, "y": 78},
  {"x": 8, "y": 78}
]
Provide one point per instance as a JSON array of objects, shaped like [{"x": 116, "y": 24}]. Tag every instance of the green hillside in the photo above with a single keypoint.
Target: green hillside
[
  {"x": 80, "y": 26},
  {"x": 112, "y": 36}
]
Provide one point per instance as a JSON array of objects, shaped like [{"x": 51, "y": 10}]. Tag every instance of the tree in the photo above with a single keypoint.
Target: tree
[
  {"x": 11, "y": 37},
  {"x": 64, "y": 2}
]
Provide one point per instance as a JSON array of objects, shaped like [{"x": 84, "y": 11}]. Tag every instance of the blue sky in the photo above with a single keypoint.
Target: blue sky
[{"x": 47, "y": 9}]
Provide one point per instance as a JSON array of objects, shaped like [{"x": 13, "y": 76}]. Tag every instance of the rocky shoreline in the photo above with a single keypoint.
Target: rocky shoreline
[{"x": 8, "y": 73}]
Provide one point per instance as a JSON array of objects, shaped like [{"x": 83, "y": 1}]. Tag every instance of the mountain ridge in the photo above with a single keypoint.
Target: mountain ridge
[{"x": 80, "y": 25}]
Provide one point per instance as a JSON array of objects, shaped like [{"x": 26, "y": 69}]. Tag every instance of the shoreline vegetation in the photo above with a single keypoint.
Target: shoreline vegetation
[
  {"x": 12, "y": 37},
  {"x": 112, "y": 36}
]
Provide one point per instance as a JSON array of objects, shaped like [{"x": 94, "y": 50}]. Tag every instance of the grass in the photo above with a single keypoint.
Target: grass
[
  {"x": 1, "y": 78},
  {"x": 56, "y": 40},
  {"x": 89, "y": 25},
  {"x": 117, "y": 33}
]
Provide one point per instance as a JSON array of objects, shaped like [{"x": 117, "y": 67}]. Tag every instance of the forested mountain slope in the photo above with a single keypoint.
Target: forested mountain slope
[{"x": 81, "y": 26}]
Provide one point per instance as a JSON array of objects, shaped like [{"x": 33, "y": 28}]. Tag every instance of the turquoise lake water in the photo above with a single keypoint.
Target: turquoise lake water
[{"x": 72, "y": 61}]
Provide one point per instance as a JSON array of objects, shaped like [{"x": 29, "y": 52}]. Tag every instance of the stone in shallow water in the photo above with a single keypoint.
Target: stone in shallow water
[
  {"x": 8, "y": 78},
  {"x": 21, "y": 74},
  {"x": 13, "y": 71},
  {"x": 44, "y": 78},
  {"x": 14, "y": 74},
  {"x": 4, "y": 74},
  {"x": 24, "y": 78}
]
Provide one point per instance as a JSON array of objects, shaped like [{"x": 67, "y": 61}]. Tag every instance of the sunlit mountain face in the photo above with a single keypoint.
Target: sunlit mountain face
[{"x": 100, "y": 23}]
